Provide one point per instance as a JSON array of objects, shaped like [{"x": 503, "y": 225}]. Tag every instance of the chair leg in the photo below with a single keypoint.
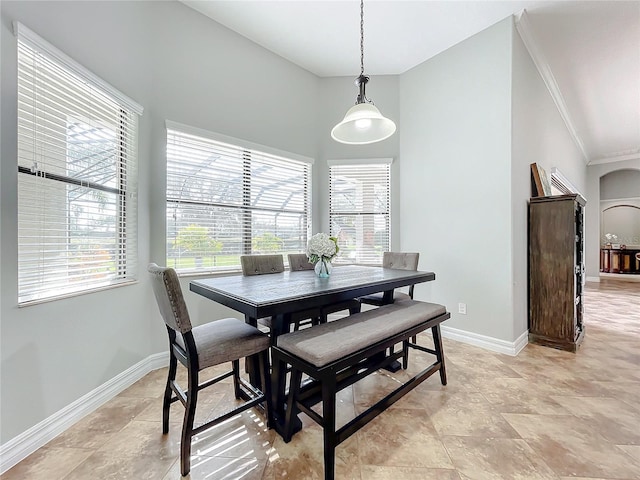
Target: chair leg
[
  {"x": 437, "y": 343},
  {"x": 236, "y": 378},
  {"x": 187, "y": 424},
  {"x": 168, "y": 392},
  {"x": 329, "y": 426}
]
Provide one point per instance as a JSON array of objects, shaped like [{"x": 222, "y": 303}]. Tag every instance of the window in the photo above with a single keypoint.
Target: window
[
  {"x": 228, "y": 198},
  {"x": 76, "y": 176},
  {"x": 359, "y": 209}
]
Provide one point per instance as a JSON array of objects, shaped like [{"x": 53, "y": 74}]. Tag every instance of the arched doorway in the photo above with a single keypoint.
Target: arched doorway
[{"x": 619, "y": 224}]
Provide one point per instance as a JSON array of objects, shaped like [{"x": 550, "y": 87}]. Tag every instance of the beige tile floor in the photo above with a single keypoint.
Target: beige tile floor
[{"x": 545, "y": 414}]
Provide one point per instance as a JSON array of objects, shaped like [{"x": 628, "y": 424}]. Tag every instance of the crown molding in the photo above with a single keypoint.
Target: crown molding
[
  {"x": 615, "y": 158},
  {"x": 523, "y": 26}
]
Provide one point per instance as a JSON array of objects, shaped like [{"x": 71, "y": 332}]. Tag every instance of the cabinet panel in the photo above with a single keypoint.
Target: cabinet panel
[{"x": 556, "y": 270}]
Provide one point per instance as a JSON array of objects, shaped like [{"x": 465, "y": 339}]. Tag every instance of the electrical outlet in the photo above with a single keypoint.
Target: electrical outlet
[{"x": 462, "y": 308}]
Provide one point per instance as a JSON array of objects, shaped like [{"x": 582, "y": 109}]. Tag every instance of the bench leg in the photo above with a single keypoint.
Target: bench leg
[
  {"x": 291, "y": 413},
  {"x": 329, "y": 426},
  {"x": 405, "y": 354},
  {"x": 437, "y": 342}
]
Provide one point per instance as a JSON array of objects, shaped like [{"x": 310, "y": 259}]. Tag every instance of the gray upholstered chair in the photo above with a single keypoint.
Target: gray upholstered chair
[
  {"x": 261, "y": 264},
  {"x": 265, "y": 265},
  {"x": 399, "y": 261},
  {"x": 299, "y": 261},
  {"x": 197, "y": 348}
]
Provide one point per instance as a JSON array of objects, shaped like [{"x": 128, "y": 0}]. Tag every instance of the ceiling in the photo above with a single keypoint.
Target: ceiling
[{"x": 590, "y": 50}]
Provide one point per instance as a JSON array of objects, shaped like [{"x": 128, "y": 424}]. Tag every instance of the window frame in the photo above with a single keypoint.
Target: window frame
[
  {"x": 56, "y": 66},
  {"x": 247, "y": 148},
  {"x": 363, "y": 163}
]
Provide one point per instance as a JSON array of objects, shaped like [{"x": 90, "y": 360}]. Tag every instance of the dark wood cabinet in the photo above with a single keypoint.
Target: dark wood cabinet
[{"x": 556, "y": 271}]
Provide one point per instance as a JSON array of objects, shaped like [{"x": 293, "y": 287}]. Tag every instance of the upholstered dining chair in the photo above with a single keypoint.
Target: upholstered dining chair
[
  {"x": 200, "y": 347},
  {"x": 298, "y": 262},
  {"x": 265, "y": 265},
  {"x": 399, "y": 261}
]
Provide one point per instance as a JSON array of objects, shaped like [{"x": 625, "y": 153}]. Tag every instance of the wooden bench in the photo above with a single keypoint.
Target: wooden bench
[{"x": 338, "y": 354}]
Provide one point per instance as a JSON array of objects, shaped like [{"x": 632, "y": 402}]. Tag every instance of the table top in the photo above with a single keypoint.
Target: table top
[{"x": 277, "y": 293}]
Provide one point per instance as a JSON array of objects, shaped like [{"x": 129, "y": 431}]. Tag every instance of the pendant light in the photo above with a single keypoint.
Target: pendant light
[{"x": 363, "y": 122}]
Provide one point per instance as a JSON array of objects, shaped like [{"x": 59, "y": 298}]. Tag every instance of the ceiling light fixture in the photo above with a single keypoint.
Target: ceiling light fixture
[{"x": 363, "y": 122}]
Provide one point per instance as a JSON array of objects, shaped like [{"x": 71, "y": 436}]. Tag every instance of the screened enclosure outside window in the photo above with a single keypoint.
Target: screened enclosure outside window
[
  {"x": 359, "y": 210},
  {"x": 225, "y": 200},
  {"x": 77, "y": 147}
]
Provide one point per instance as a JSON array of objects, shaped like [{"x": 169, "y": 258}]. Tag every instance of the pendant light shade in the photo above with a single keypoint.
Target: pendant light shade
[{"x": 363, "y": 122}]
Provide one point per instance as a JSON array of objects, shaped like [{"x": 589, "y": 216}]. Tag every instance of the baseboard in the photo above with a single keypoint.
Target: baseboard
[
  {"x": 20, "y": 447},
  {"x": 593, "y": 279},
  {"x": 622, "y": 277},
  {"x": 488, "y": 343}
]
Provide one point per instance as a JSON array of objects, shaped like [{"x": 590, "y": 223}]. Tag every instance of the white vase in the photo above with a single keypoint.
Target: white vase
[{"x": 323, "y": 268}]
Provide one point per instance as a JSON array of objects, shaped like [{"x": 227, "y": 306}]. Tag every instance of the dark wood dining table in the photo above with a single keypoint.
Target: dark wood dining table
[{"x": 279, "y": 295}]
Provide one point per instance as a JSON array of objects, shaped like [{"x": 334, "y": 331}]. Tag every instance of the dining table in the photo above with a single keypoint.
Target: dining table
[{"x": 279, "y": 295}]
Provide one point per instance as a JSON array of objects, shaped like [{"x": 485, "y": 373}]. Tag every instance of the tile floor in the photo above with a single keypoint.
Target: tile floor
[{"x": 545, "y": 414}]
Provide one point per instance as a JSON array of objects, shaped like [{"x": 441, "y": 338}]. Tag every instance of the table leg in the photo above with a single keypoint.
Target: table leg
[{"x": 387, "y": 298}]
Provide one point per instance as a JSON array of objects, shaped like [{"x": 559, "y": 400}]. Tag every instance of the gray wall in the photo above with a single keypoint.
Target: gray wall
[
  {"x": 336, "y": 96},
  {"x": 53, "y": 353},
  {"x": 620, "y": 184},
  {"x": 180, "y": 66},
  {"x": 455, "y": 173},
  {"x": 458, "y": 189},
  {"x": 539, "y": 135}
]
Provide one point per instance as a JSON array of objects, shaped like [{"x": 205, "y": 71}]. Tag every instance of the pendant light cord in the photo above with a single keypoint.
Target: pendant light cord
[{"x": 361, "y": 37}]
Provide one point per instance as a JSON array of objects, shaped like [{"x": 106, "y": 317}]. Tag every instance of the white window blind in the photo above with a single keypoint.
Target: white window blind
[
  {"x": 77, "y": 205},
  {"x": 227, "y": 200},
  {"x": 359, "y": 210}
]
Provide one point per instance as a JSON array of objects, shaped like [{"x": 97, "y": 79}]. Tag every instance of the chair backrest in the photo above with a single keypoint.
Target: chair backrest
[
  {"x": 299, "y": 261},
  {"x": 166, "y": 288},
  {"x": 261, "y": 264},
  {"x": 400, "y": 261}
]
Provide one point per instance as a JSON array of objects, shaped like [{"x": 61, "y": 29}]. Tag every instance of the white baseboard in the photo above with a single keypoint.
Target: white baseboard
[
  {"x": 593, "y": 279},
  {"x": 622, "y": 277},
  {"x": 20, "y": 447},
  {"x": 488, "y": 343}
]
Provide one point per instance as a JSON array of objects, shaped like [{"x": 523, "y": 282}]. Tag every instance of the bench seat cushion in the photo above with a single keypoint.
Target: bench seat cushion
[{"x": 331, "y": 341}]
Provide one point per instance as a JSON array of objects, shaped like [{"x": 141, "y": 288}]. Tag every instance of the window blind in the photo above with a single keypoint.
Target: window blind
[
  {"x": 77, "y": 203},
  {"x": 359, "y": 211},
  {"x": 227, "y": 200}
]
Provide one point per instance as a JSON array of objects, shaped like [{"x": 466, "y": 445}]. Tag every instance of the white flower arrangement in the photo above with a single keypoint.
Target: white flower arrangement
[
  {"x": 322, "y": 247},
  {"x": 611, "y": 237}
]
